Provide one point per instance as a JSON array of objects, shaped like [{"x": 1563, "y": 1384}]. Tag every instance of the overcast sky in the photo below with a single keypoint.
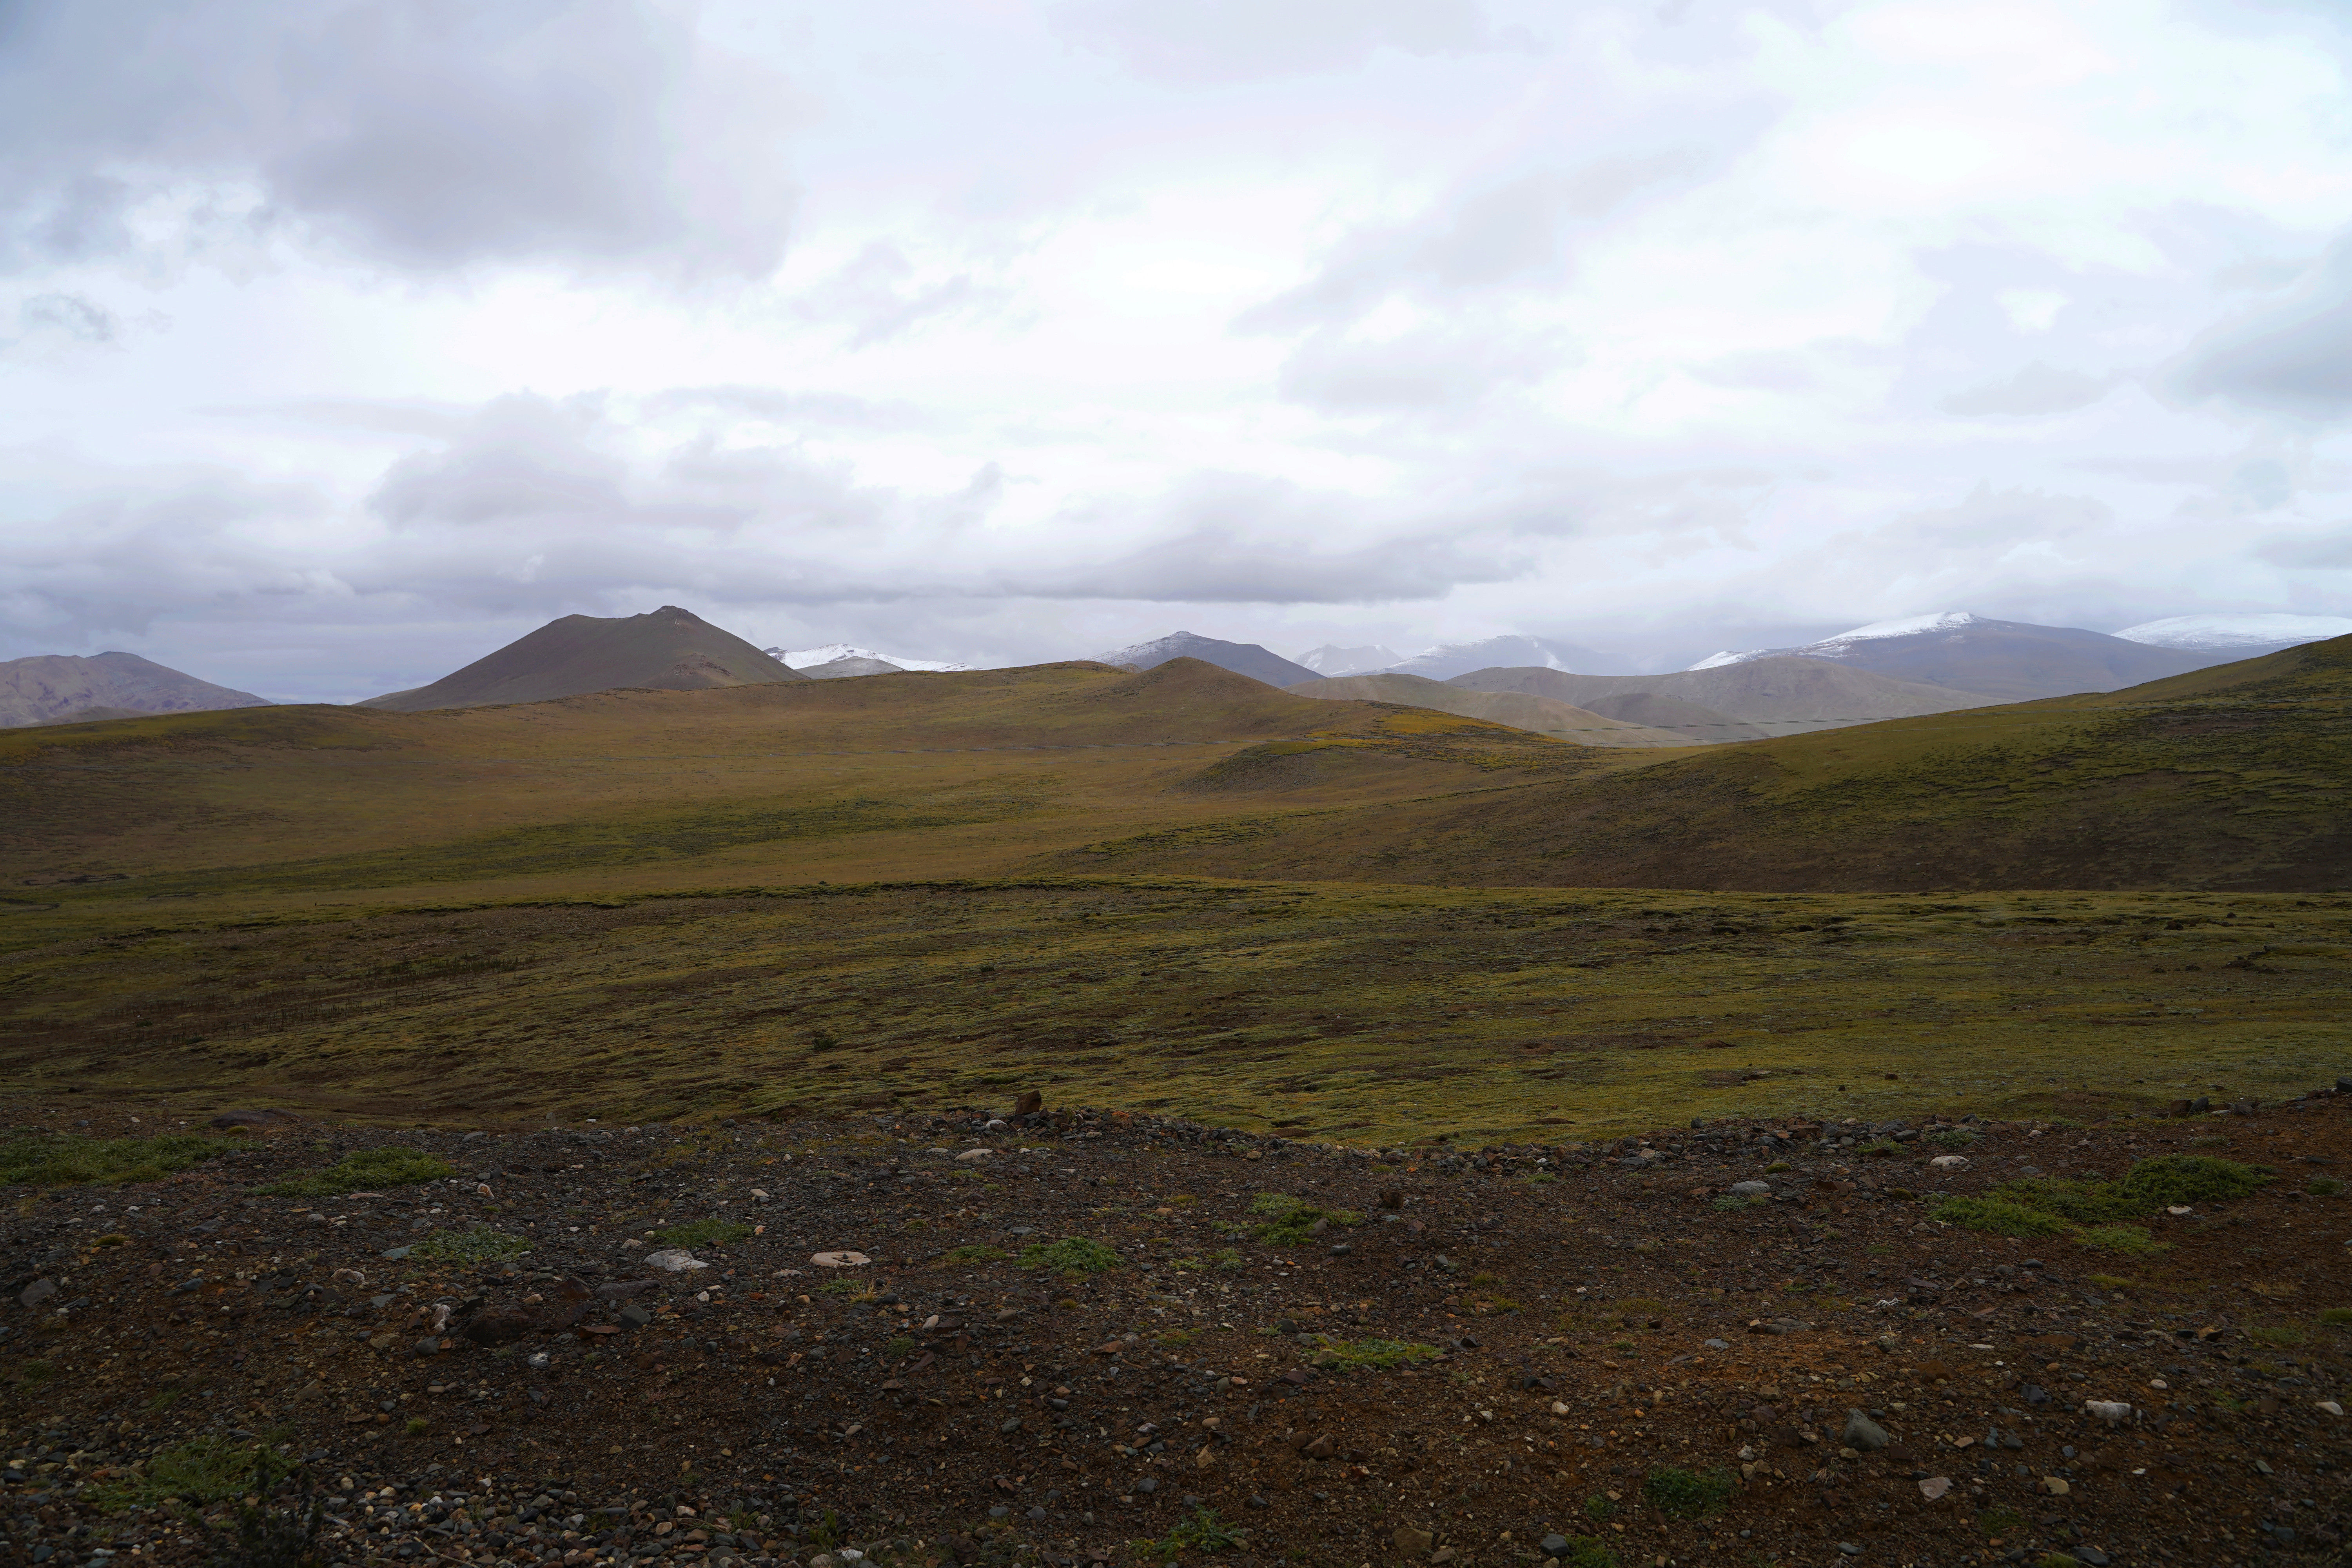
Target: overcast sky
[{"x": 341, "y": 342}]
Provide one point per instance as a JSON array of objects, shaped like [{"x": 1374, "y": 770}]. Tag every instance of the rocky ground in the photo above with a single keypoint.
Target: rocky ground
[{"x": 1062, "y": 1336}]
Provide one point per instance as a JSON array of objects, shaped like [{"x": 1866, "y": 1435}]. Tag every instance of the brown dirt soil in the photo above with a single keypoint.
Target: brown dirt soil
[{"x": 1615, "y": 1351}]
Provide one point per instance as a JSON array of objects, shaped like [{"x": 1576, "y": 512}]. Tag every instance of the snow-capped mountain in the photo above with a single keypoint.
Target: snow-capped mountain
[
  {"x": 1841, "y": 645},
  {"x": 1447, "y": 660},
  {"x": 1333, "y": 662},
  {"x": 1241, "y": 657},
  {"x": 2008, "y": 661},
  {"x": 2242, "y": 637},
  {"x": 810, "y": 657}
]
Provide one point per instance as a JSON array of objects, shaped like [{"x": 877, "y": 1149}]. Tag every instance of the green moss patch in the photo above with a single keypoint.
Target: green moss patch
[
  {"x": 366, "y": 1169},
  {"x": 481, "y": 1244},
  {"x": 46, "y": 1160},
  {"x": 1368, "y": 1355},
  {"x": 1071, "y": 1255},
  {"x": 706, "y": 1233}
]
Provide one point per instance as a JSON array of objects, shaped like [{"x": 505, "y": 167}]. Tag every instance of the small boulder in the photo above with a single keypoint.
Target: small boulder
[
  {"x": 1413, "y": 1541},
  {"x": 1029, "y": 1104},
  {"x": 1864, "y": 1434}
]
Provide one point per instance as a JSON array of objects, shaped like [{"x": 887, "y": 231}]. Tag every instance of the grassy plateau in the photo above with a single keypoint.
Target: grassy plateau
[{"x": 1181, "y": 890}]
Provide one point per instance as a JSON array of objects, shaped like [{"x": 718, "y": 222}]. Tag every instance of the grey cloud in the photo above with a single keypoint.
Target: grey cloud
[
  {"x": 2295, "y": 357},
  {"x": 2327, "y": 551},
  {"x": 1204, "y": 42},
  {"x": 2036, "y": 389},
  {"x": 1441, "y": 368},
  {"x": 70, "y": 314},
  {"x": 875, "y": 296},
  {"x": 420, "y": 135},
  {"x": 1240, "y": 539},
  {"x": 1991, "y": 519},
  {"x": 776, "y": 405},
  {"x": 523, "y": 456},
  {"x": 1511, "y": 234}
]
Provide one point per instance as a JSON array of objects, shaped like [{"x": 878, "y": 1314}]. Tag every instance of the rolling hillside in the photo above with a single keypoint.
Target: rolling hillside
[
  {"x": 933, "y": 775},
  {"x": 2236, "y": 777}
]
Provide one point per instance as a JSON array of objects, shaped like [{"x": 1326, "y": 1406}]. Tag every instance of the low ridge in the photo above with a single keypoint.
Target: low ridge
[
  {"x": 1241, "y": 657},
  {"x": 2007, "y": 661},
  {"x": 1520, "y": 710}
]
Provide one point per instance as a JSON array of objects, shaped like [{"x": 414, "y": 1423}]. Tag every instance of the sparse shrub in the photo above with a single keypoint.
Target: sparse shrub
[
  {"x": 1379, "y": 1355},
  {"x": 270, "y": 1533},
  {"x": 1203, "y": 1532},
  {"x": 364, "y": 1170},
  {"x": 1996, "y": 1216},
  {"x": 2337, "y": 1316},
  {"x": 480, "y": 1243},
  {"x": 44, "y": 1160},
  {"x": 199, "y": 1470},
  {"x": 1071, "y": 1255},
  {"x": 1598, "y": 1509},
  {"x": 2282, "y": 1338},
  {"x": 1586, "y": 1551},
  {"x": 2324, "y": 1187},
  {"x": 2191, "y": 1179},
  {"x": 1777, "y": 1167},
  {"x": 1881, "y": 1147},
  {"x": 705, "y": 1233},
  {"x": 1295, "y": 1222},
  {"x": 1731, "y": 1201},
  {"x": 1954, "y": 1137},
  {"x": 975, "y": 1253},
  {"x": 2126, "y": 1238},
  {"x": 1689, "y": 1494}
]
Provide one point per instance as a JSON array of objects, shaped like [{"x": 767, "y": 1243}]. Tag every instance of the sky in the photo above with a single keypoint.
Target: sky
[{"x": 341, "y": 343}]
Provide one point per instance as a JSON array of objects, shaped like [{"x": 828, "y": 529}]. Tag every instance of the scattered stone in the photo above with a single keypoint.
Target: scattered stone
[
  {"x": 839, "y": 1259},
  {"x": 1949, "y": 1162},
  {"x": 1751, "y": 1189},
  {"x": 2110, "y": 1411},
  {"x": 1550, "y": 1545},
  {"x": 1933, "y": 1487},
  {"x": 975, "y": 1156},
  {"x": 1029, "y": 1104},
  {"x": 39, "y": 1291},
  {"x": 2055, "y": 1486},
  {"x": 1717, "y": 1344}
]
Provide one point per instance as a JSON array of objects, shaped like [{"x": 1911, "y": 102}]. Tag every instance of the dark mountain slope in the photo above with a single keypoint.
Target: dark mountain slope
[{"x": 668, "y": 649}]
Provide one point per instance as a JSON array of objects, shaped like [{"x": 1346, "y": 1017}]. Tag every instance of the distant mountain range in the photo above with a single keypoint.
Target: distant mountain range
[
  {"x": 836, "y": 659},
  {"x": 2237, "y": 637},
  {"x": 1743, "y": 701},
  {"x": 1241, "y": 657},
  {"x": 1335, "y": 661},
  {"x": 2002, "y": 661},
  {"x": 69, "y": 689},
  {"x": 668, "y": 649}
]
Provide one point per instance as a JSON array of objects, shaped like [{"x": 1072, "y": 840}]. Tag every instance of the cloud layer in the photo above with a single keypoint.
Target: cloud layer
[{"x": 343, "y": 342}]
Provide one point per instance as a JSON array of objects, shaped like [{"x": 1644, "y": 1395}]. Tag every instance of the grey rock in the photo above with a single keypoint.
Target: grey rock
[
  {"x": 1553, "y": 1545},
  {"x": 1863, "y": 1433},
  {"x": 1148, "y": 1484},
  {"x": 539, "y": 1361},
  {"x": 1750, "y": 1189},
  {"x": 634, "y": 1316},
  {"x": 1713, "y": 1346},
  {"x": 1012, "y": 1424},
  {"x": 2095, "y": 1558},
  {"x": 39, "y": 1291},
  {"x": 428, "y": 1347},
  {"x": 396, "y": 1253}
]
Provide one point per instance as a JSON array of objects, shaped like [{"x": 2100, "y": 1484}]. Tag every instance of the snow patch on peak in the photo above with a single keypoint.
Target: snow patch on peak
[
  {"x": 1717, "y": 660},
  {"x": 2233, "y": 631},
  {"x": 1909, "y": 626},
  {"x": 810, "y": 657}
]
